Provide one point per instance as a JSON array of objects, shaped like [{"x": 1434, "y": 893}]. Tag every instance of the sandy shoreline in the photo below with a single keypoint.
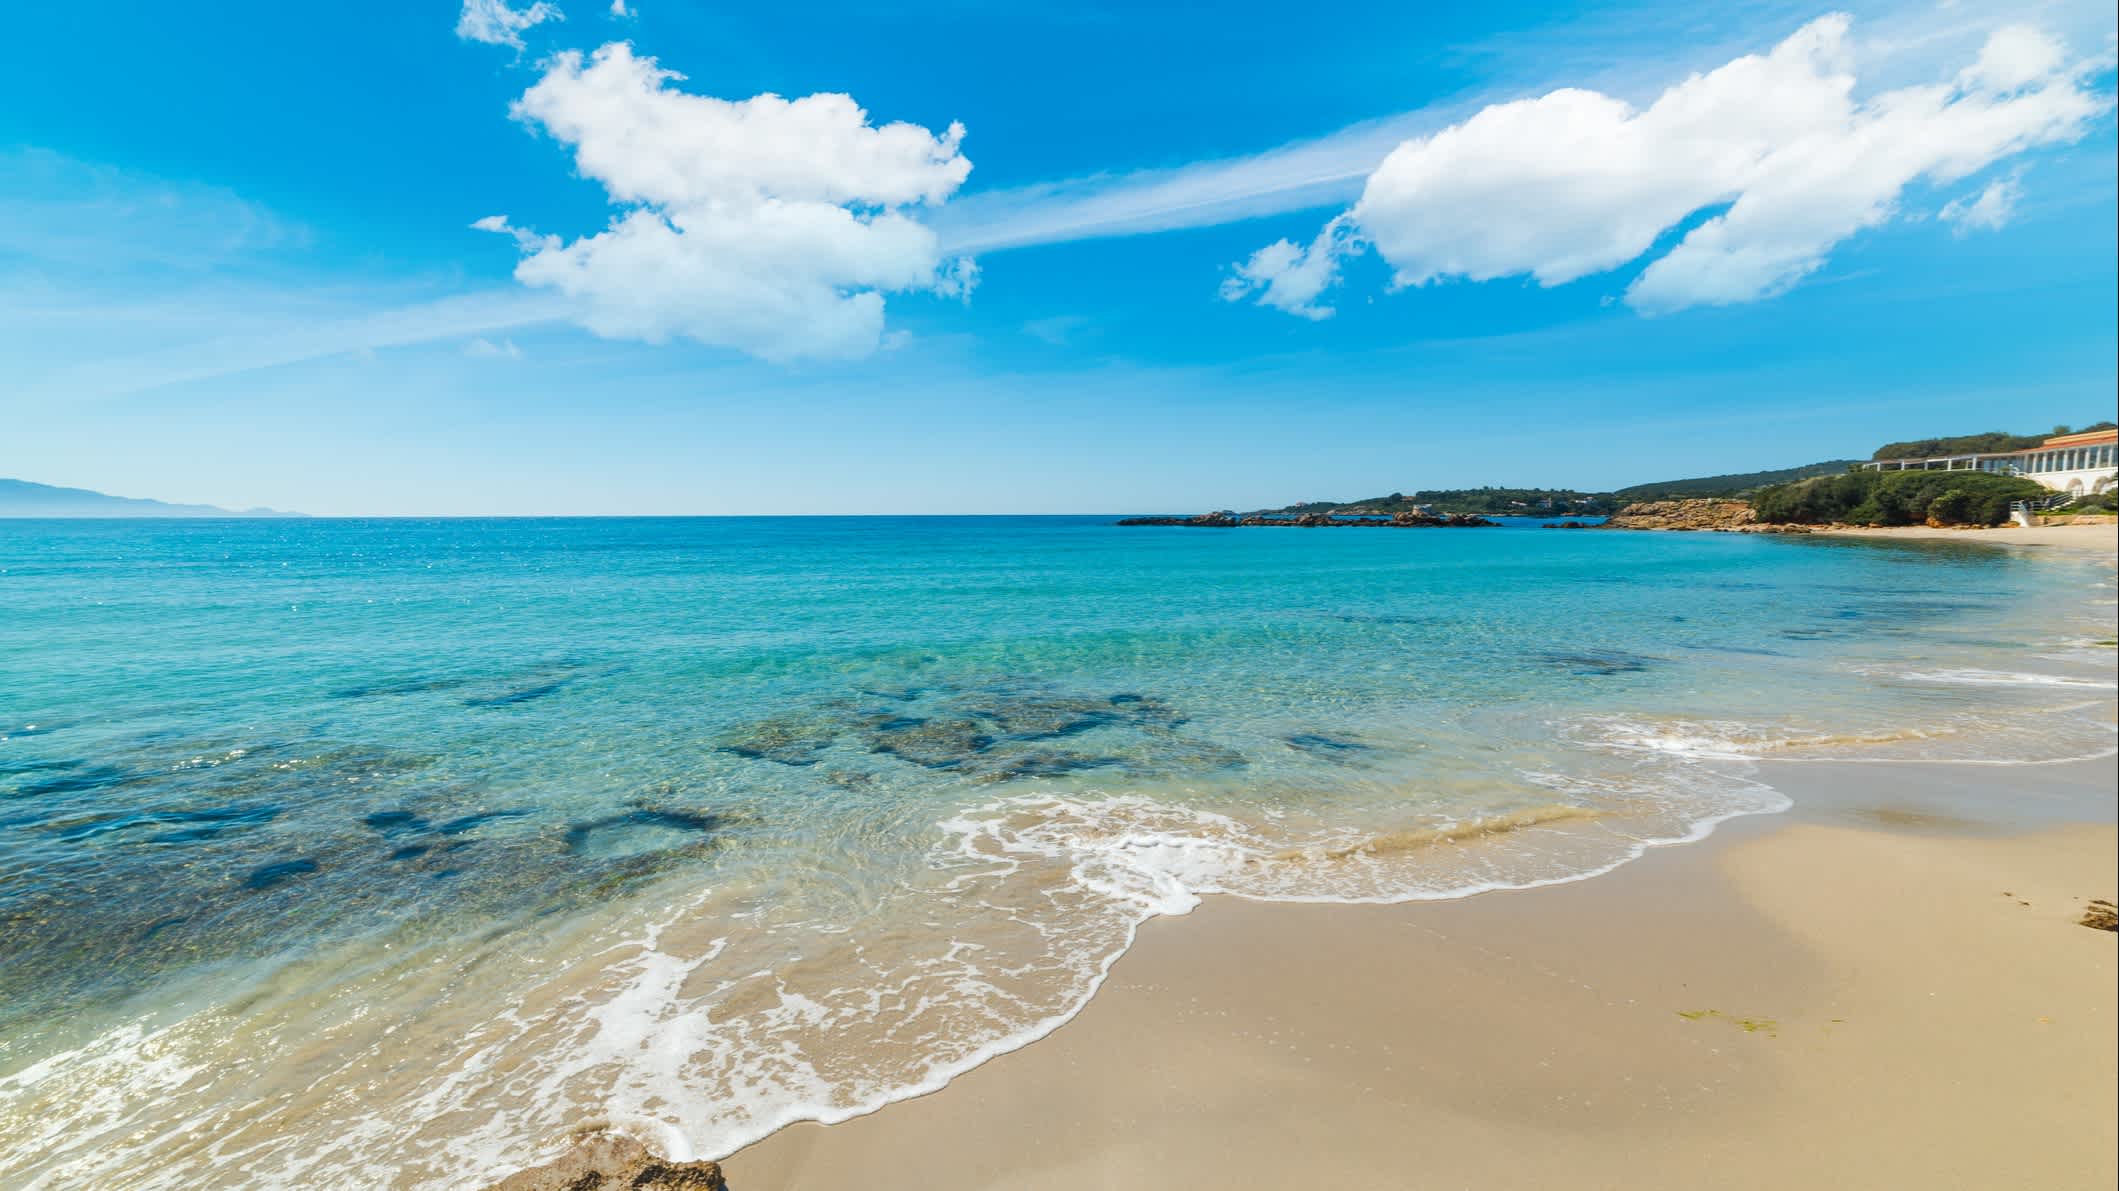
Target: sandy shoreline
[
  {"x": 1879, "y": 990},
  {"x": 2081, "y": 538},
  {"x": 1886, "y": 987}
]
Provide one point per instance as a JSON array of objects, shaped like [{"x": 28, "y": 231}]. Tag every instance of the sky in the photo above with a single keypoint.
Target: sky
[{"x": 465, "y": 257}]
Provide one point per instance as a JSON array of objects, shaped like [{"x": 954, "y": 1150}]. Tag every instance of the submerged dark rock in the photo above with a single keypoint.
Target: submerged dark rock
[
  {"x": 77, "y": 778},
  {"x": 463, "y": 823},
  {"x": 399, "y": 686},
  {"x": 990, "y": 732},
  {"x": 395, "y": 822},
  {"x": 1319, "y": 744},
  {"x": 211, "y": 824},
  {"x": 269, "y": 875},
  {"x": 192, "y": 825},
  {"x": 1042, "y": 763},
  {"x": 610, "y": 833},
  {"x": 783, "y": 740},
  {"x": 935, "y": 744},
  {"x": 519, "y": 694},
  {"x": 1597, "y": 663}
]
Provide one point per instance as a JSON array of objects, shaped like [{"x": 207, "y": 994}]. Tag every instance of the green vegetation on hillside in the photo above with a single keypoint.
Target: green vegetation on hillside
[
  {"x": 1737, "y": 484},
  {"x": 1493, "y": 502},
  {"x": 1788, "y": 494},
  {"x": 1896, "y": 498},
  {"x": 1994, "y": 441}
]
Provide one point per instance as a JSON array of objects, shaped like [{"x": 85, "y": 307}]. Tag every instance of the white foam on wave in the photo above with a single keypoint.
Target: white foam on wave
[
  {"x": 2064, "y": 740},
  {"x": 1973, "y": 677},
  {"x": 700, "y": 1040}
]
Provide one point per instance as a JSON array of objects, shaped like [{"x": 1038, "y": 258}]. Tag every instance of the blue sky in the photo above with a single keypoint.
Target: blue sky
[{"x": 1224, "y": 256}]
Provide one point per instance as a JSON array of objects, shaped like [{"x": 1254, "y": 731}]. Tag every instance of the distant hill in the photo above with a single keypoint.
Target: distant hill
[
  {"x": 1729, "y": 485},
  {"x": 20, "y": 498},
  {"x": 1992, "y": 442},
  {"x": 1496, "y": 502}
]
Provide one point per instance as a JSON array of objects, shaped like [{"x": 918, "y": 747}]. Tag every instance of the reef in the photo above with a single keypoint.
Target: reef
[{"x": 998, "y": 732}]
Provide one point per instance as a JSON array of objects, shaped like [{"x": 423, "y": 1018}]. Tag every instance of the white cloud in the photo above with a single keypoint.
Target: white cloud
[
  {"x": 1989, "y": 210},
  {"x": 494, "y": 23},
  {"x": 1292, "y": 277},
  {"x": 1576, "y": 182},
  {"x": 769, "y": 225},
  {"x": 482, "y": 348},
  {"x": 2014, "y": 57},
  {"x": 619, "y": 9}
]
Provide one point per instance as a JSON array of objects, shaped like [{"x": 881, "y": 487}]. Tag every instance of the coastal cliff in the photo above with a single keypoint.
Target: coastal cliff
[{"x": 1726, "y": 516}]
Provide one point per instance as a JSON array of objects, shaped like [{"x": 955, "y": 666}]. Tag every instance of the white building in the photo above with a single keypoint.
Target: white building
[{"x": 2082, "y": 464}]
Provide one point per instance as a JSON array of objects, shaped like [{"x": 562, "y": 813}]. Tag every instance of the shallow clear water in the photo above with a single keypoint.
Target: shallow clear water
[{"x": 351, "y": 853}]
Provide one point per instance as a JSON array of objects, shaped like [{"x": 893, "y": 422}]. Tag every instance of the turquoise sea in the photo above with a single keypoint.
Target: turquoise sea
[{"x": 344, "y": 853}]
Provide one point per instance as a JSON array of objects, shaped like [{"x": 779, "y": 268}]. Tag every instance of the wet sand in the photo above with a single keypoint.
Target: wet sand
[
  {"x": 2081, "y": 537},
  {"x": 1886, "y": 988}
]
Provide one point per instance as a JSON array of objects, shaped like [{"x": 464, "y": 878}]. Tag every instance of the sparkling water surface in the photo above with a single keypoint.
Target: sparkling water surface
[{"x": 382, "y": 853}]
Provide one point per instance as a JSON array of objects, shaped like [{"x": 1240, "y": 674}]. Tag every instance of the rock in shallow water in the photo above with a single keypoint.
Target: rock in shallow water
[{"x": 609, "y": 1162}]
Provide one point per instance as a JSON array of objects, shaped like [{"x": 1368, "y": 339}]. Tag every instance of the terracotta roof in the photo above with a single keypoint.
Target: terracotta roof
[{"x": 2080, "y": 440}]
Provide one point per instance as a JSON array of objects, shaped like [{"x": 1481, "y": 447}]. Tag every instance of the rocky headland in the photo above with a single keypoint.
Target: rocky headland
[
  {"x": 1403, "y": 520},
  {"x": 1723, "y": 516}
]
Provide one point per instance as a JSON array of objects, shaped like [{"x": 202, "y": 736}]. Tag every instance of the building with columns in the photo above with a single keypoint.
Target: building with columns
[{"x": 2082, "y": 464}]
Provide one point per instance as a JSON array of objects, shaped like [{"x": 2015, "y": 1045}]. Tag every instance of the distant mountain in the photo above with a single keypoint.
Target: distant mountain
[
  {"x": 1497, "y": 502},
  {"x": 20, "y": 498},
  {"x": 1729, "y": 485}
]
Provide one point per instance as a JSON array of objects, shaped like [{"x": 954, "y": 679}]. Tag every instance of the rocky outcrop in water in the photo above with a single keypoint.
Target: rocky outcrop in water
[
  {"x": 1226, "y": 520},
  {"x": 1723, "y": 516},
  {"x": 613, "y": 1162},
  {"x": 994, "y": 732}
]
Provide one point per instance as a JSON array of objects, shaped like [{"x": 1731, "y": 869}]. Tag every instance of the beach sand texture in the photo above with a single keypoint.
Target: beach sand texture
[{"x": 1880, "y": 993}]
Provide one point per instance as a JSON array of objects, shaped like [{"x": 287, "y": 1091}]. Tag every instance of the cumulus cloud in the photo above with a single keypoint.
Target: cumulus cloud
[
  {"x": 1292, "y": 277},
  {"x": 494, "y": 23},
  {"x": 768, "y": 225},
  {"x": 1990, "y": 209},
  {"x": 1575, "y": 182}
]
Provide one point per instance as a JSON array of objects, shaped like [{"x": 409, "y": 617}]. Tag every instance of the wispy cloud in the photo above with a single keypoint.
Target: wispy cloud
[
  {"x": 494, "y": 23},
  {"x": 63, "y": 213},
  {"x": 456, "y": 317},
  {"x": 1987, "y": 211},
  {"x": 1320, "y": 172}
]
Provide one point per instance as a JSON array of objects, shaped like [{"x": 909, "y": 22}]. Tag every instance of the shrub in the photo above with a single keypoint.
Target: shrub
[
  {"x": 1896, "y": 498},
  {"x": 1951, "y": 508}
]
